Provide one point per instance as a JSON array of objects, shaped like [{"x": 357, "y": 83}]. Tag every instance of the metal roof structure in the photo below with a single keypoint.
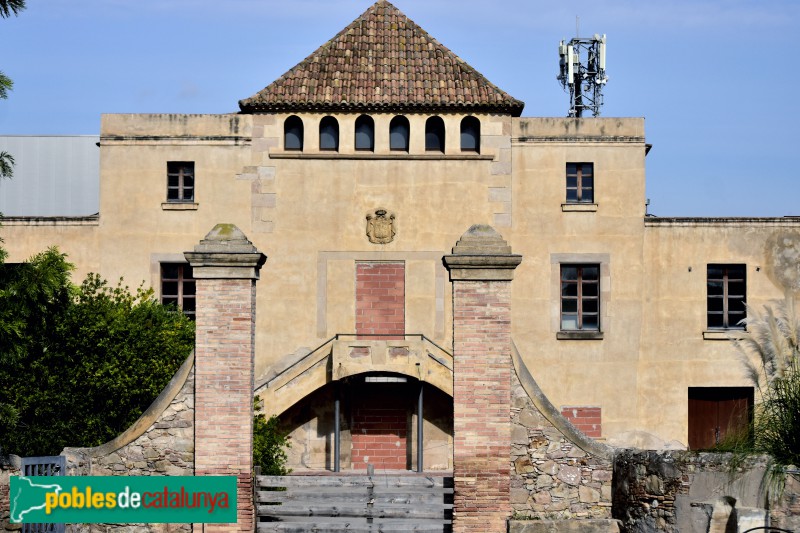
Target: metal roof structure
[{"x": 54, "y": 175}]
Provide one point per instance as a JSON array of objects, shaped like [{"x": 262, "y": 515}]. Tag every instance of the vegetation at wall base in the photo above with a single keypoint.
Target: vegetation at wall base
[
  {"x": 269, "y": 444},
  {"x": 770, "y": 352},
  {"x": 79, "y": 364}
]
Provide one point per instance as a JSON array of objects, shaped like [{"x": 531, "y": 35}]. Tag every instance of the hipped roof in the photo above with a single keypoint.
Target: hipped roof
[{"x": 382, "y": 61}]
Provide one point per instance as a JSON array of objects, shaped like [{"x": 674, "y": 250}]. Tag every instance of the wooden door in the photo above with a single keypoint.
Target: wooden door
[{"x": 716, "y": 412}]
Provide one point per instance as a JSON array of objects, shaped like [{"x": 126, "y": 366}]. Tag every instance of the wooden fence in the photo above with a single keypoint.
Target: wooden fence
[{"x": 354, "y": 503}]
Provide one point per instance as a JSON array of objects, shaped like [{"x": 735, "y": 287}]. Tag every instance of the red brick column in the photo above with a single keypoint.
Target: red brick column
[
  {"x": 481, "y": 270},
  {"x": 226, "y": 267}
]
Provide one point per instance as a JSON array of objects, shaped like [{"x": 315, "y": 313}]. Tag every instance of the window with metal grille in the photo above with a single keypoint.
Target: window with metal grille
[
  {"x": 580, "y": 183},
  {"x": 726, "y": 294},
  {"x": 180, "y": 181},
  {"x": 580, "y": 297},
  {"x": 178, "y": 287}
]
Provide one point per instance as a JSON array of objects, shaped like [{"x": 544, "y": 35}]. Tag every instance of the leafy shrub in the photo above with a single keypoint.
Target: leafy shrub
[
  {"x": 78, "y": 365},
  {"x": 269, "y": 444}
]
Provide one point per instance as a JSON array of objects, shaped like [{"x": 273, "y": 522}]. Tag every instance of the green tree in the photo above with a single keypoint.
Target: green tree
[
  {"x": 269, "y": 444},
  {"x": 79, "y": 364}
]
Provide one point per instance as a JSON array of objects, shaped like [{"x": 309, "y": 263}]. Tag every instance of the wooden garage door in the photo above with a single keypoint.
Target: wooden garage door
[{"x": 715, "y": 412}]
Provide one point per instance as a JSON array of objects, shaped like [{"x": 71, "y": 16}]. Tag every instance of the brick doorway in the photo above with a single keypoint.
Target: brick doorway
[{"x": 380, "y": 424}]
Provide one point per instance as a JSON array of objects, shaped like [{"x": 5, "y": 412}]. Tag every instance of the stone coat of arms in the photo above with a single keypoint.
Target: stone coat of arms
[{"x": 380, "y": 227}]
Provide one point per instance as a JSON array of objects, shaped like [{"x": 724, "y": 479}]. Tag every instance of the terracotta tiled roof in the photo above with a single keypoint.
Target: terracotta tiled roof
[{"x": 382, "y": 61}]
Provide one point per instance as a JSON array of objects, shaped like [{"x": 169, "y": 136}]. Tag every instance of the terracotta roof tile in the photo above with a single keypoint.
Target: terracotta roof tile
[{"x": 382, "y": 61}]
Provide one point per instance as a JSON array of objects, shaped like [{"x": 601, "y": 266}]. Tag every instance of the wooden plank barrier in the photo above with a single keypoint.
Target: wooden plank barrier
[{"x": 354, "y": 503}]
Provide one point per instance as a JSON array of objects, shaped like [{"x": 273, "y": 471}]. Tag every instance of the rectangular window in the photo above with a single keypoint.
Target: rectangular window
[
  {"x": 180, "y": 181},
  {"x": 580, "y": 183},
  {"x": 178, "y": 287},
  {"x": 727, "y": 291},
  {"x": 580, "y": 297}
]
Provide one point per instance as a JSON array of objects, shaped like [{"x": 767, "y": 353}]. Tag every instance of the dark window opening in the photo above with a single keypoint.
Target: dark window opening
[
  {"x": 470, "y": 134},
  {"x": 180, "y": 181},
  {"x": 580, "y": 183},
  {"x": 178, "y": 287},
  {"x": 293, "y": 133},
  {"x": 329, "y": 134},
  {"x": 434, "y": 135},
  {"x": 726, "y": 294},
  {"x": 399, "y": 130},
  {"x": 365, "y": 133},
  {"x": 580, "y": 297}
]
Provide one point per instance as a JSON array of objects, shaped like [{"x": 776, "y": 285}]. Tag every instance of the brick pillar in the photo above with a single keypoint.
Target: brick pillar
[
  {"x": 481, "y": 269},
  {"x": 226, "y": 267}
]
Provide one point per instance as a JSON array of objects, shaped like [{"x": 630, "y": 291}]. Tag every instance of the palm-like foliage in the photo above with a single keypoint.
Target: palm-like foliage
[
  {"x": 771, "y": 344},
  {"x": 6, "y": 165},
  {"x": 770, "y": 350},
  {"x": 9, "y": 7}
]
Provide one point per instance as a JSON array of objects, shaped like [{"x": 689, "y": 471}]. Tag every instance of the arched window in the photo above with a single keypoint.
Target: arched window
[
  {"x": 293, "y": 133},
  {"x": 434, "y": 134},
  {"x": 328, "y": 134},
  {"x": 365, "y": 133},
  {"x": 470, "y": 134},
  {"x": 399, "y": 133}
]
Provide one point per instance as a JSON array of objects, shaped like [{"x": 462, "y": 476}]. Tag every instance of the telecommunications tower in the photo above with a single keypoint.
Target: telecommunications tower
[{"x": 583, "y": 72}]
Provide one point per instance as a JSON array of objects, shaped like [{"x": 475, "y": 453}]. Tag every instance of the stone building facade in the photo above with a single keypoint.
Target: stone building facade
[{"x": 356, "y": 171}]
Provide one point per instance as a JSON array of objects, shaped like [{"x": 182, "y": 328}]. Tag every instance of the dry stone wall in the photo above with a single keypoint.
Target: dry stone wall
[
  {"x": 686, "y": 492},
  {"x": 552, "y": 478},
  {"x": 161, "y": 443},
  {"x": 9, "y": 466}
]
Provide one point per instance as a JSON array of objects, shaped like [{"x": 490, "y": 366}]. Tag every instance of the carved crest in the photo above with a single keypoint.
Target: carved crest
[{"x": 380, "y": 227}]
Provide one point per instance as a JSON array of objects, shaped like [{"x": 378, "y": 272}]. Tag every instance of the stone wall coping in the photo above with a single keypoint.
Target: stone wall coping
[
  {"x": 482, "y": 267},
  {"x": 571, "y": 526},
  {"x": 548, "y": 410},
  {"x": 225, "y": 253},
  {"x": 481, "y": 254},
  {"x": 148, "y": 418}
]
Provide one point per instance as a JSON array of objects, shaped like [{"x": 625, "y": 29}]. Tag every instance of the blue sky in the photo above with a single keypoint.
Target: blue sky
[{"x": 714, "y": 79}]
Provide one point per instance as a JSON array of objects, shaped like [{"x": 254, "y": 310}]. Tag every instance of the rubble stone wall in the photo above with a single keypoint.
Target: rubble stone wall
[
  {"x": 684, "y": 492},
  {"x": 552, "y": 478},
  {"x": 160, "y": 443},
  {"x": 9, "y": 466}
]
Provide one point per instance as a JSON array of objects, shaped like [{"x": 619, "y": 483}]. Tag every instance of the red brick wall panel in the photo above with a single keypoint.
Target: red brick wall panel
[
  {"x": 380, "y": 300},
  {"x": 380, "y": 437},
  {"x": 586, "y": 419}
]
